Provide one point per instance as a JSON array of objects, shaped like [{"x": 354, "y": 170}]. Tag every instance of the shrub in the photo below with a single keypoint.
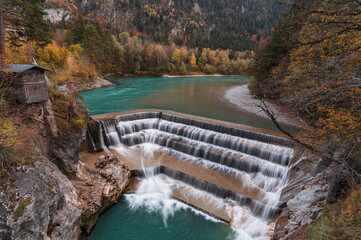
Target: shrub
[{"x": 339, "y": 221}]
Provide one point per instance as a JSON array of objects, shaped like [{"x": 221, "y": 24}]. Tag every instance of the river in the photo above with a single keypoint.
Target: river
[{"x": 201, "y": 96}]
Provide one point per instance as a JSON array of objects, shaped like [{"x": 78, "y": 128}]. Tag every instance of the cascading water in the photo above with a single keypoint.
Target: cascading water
[{"x": 259, "y": 163}]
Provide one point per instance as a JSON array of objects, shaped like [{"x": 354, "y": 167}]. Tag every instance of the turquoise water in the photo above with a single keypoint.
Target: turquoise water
[
  {"x": 200, "y": 96},
  {"x": 121, "y": 223}
]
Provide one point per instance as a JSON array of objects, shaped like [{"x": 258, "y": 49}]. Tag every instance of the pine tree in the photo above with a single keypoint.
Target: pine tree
[
  {"x": 78, "y": 30},
  {"x": 24, "y": 21}
]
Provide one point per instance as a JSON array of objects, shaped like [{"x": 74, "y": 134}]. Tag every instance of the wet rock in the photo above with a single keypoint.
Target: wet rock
[{"x": 303, "y": 208}]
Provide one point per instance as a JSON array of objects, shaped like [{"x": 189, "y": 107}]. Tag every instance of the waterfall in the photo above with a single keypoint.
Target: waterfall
[{"x": 257, "y": 163}]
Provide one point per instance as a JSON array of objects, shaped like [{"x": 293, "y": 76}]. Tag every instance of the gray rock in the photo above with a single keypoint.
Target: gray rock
[{"x": 52, "y": 211}]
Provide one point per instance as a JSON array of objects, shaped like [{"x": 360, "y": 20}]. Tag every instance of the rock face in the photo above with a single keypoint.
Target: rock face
[
  {"x": 64, "y": 153},
  {"x": 99, "y": 188},
  {"x": 39, "y": 201},
  {"x": 57, "y": 15},
  {"x": 41, "y": 205},
  {"x": 303, "y": 208}
]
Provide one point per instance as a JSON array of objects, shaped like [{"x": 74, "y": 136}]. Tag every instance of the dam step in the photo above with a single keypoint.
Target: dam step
[
  {"x": 257, "y": 208},
  {"x": 228, "y": 165}
]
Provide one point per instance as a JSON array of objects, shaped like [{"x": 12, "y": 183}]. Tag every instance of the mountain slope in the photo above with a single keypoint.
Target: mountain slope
[{"x": 229, "y": 24}]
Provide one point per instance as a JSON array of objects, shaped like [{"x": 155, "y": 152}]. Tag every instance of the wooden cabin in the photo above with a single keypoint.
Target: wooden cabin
[{"x": 29, "y": 82}]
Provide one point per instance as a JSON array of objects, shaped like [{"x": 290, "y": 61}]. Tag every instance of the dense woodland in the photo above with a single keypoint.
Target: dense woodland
[
  {"x": 85, "y": 51},
  {"x": 312, "y": 65},
  {"x": 231, "y": 24}
]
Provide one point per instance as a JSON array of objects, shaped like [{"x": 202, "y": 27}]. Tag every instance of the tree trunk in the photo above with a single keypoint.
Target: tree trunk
[{"x": 2, "y": 33}]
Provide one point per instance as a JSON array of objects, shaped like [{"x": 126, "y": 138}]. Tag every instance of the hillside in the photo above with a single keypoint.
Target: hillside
[
  {"x": 230, "y": 24},
  {"x": 312, "y": 66}
]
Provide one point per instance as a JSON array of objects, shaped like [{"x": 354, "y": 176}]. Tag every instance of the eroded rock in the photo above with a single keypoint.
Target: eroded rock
[
  {"x": 304, "y": 208},
  {"x": 99, "y": 188},
  {"x": 105, "y": 160}
]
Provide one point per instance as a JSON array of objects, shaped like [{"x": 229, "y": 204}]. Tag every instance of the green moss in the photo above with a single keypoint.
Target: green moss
[{"x": 21, "y": 207}]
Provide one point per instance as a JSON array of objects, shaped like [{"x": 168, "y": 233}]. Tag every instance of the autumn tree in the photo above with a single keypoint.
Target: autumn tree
[
  {"x": 177, "y": 57},
  {"x": 193, "y": 62},
  {"x": 2, "y": 31},
  {"x": 319, "y": 75}
]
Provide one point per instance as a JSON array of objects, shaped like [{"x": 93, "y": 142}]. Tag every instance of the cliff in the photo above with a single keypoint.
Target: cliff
[{"x": 50, "y": 195}]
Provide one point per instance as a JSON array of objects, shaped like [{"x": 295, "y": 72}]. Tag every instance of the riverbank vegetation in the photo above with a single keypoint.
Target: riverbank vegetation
[
  {"x": 85, "y": 51},
  {"x": 21, "y": 128},
  {"x": 339, "y": 221},
  {"x": 312, "y": 65}
]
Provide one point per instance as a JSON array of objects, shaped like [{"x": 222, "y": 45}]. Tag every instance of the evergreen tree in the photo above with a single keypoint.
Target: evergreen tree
[
  {"x": 24, "y": 21},
  {"x": 92, "y": 44},
  {"x": 78, "y": 30}
]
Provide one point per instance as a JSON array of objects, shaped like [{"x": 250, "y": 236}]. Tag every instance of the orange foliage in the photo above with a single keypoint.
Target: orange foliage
[{"x": 324, "y": 74}]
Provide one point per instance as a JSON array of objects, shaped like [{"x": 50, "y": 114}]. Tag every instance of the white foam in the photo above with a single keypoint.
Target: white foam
[{"x": 154, "y": 194}]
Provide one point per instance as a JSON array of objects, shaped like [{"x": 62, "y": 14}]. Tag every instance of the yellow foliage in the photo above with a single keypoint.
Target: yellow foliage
[
  {"x": 177, "y": 57},
  {"x": 193, "y": 62},
  {"x": 8, "y": 133},
  {"x": 322, "y": 73}
]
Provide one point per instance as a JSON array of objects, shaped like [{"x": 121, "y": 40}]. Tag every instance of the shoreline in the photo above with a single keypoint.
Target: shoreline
[
  {"x": 98, "y": 83},
  {"x": 241, "y": 98},
  {"x": 190, "y": 74},
  {"x": 199, "y": 75}
]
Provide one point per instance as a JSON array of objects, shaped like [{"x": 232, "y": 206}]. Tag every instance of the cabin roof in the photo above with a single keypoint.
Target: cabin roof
[{"x": 19, "y": 68}]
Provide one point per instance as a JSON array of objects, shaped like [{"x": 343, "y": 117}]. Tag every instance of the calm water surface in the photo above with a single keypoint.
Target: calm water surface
[{"x": 200, "y": 96}]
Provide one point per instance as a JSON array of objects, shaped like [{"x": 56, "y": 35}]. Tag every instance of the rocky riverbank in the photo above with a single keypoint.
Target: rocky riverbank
[
  {"x": 305, "y": 196},
  {"x": 99, "y": 185},
  {"x": 84, "y": 86},
  {"x": 241, "y": 98}
]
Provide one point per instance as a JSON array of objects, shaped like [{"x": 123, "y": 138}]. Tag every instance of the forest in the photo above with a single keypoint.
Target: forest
[
  {"x": 85, "y": 51},
  {"x": 312, "y": 65},
  {"x": 232, "y": 24}
]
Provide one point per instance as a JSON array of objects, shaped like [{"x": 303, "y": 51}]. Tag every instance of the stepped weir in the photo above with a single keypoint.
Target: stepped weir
[{"x": 220, "y": 168}]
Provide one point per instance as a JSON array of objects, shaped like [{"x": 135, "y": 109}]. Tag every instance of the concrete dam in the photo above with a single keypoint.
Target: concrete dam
[{"x": 234, "y": 173}]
